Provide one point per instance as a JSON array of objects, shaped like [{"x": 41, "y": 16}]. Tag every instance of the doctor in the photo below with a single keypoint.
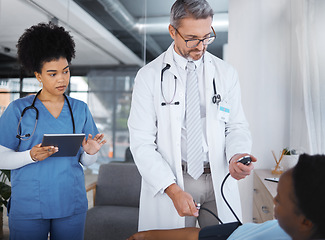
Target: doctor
[{"x": 160, "y": 127}]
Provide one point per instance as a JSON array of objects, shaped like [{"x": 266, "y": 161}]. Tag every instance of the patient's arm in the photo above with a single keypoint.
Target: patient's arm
[{"x": 173, "y": 234}]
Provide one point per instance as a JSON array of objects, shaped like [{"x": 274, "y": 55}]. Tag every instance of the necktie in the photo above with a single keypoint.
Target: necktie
[{"x": 193, "y": 124}]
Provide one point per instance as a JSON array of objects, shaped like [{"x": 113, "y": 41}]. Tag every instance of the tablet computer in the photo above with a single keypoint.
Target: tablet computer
[{"x": 68, "y": 144}]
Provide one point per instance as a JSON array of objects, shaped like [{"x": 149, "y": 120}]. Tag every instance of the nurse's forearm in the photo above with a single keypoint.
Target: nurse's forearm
[{"x": 10, "y": 159}]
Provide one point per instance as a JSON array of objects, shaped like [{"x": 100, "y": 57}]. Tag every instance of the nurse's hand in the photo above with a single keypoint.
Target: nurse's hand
[
  {"x": 182, "y": 201},
  {"x": 38, "y": 153},
  {"x": 92, "y": 145},
  {"x": 238, "y": 170}
]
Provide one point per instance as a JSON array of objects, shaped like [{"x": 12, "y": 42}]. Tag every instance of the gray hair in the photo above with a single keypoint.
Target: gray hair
[{"x": 198, "y": 9}]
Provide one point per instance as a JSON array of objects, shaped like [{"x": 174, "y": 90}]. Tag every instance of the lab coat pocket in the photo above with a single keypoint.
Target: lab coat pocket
[
  {"x": 25, "y": 199},
  {"x": 219, "y": 125}
]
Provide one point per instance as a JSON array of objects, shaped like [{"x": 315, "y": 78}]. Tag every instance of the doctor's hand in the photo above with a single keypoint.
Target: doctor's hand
[
  {"x": 182, "y": 201},
  {"x": 38, "y": 153},
  {"x": 92, "y": 145},
  {"x": 238, "y": 170}
]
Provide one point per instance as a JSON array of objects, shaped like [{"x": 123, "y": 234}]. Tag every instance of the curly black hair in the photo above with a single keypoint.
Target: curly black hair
[
  {"x": 309, "y": 182},
  {"x": 44, "y": 42}
]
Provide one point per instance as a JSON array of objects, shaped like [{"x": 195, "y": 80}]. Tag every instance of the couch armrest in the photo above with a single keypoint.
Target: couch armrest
[{"x": 92, "y": 187}]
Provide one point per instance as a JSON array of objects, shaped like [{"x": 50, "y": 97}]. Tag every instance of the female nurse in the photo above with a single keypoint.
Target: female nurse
[{"x": 48, "y": 193}]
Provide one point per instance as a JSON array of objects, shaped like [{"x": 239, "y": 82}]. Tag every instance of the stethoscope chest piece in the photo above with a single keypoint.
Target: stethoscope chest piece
[{"x": 216, "y": 99}]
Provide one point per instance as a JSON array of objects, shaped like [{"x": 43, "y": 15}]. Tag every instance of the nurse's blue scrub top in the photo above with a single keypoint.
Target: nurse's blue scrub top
[{"x": 53, "y": 188}]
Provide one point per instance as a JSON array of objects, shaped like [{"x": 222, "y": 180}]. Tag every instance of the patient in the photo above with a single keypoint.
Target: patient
[{"x": 299, "y": 210}]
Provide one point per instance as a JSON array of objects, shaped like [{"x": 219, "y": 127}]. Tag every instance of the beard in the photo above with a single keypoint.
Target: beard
[{"x": 196, "y": 54}]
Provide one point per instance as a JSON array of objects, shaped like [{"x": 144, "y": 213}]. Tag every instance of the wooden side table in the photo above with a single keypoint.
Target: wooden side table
[{"x": 264, "y": 192}]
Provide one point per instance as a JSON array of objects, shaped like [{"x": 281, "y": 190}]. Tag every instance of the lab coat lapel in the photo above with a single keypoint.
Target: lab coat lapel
[
  {"x": 168, "y": 59},
  {"x": 176, "y": 112},
  {"x": 215, "y": 132},
  {"x": 209, "y": 75}
]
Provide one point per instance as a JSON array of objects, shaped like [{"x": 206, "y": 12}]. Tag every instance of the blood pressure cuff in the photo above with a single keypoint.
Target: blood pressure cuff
[{"x": 218, "y": 232}]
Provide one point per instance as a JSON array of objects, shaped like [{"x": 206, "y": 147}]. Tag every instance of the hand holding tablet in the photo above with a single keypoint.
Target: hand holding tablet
[{"x": 68, "y": 144}]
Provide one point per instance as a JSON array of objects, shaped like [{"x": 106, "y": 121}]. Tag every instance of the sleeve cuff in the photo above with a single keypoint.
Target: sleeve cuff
[
  {"x": 87, "y": 159},
  {"x": 162, "y": 191}
]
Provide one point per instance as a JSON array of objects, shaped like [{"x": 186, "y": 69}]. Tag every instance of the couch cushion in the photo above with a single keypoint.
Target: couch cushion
[
  {"x": 118, "y": 184},
  {"x": 111, "y": 223}
]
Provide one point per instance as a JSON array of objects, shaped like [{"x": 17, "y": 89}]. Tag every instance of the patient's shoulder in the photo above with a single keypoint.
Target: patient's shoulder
[{"x": 253, "y": 231}]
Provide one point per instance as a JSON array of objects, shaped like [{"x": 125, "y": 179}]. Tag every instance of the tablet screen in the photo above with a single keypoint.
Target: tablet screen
[{"x": 68, "y": 144}]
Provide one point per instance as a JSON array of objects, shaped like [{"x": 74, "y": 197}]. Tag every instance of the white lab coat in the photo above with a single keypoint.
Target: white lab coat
[{"x": 155, "y": 137}]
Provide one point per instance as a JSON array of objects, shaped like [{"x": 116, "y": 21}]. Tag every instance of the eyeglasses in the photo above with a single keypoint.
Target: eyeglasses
[{"x": 195, "y": 42}]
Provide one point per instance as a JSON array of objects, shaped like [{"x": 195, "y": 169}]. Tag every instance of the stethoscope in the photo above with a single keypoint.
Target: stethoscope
[
  {"x": 28, "y": 135},
  {"x": 216, "y": 98},
  {"x": 162, "y": 91}
]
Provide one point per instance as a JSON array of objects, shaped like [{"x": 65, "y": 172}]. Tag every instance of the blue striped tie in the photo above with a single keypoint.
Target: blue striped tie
[{"x": 193, "y": 124}]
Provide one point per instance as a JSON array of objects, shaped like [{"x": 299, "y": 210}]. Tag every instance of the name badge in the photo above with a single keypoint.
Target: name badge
[{"x": 224, "y": 111}]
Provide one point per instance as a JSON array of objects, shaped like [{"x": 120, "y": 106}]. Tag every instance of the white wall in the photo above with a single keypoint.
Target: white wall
[
  {"x": 259, "y": 48},
  {"x": 320, "y": 35},
  {"x": 320, "y": 40}
]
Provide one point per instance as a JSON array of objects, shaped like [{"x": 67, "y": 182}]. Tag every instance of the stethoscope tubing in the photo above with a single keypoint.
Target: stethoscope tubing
[
  {"x": 32, "y": 106},
  {"x": 162, "y": 91}
]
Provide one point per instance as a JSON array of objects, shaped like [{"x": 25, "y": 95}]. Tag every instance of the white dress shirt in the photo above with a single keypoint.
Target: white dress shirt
[{"x": 181, "y": 63}]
